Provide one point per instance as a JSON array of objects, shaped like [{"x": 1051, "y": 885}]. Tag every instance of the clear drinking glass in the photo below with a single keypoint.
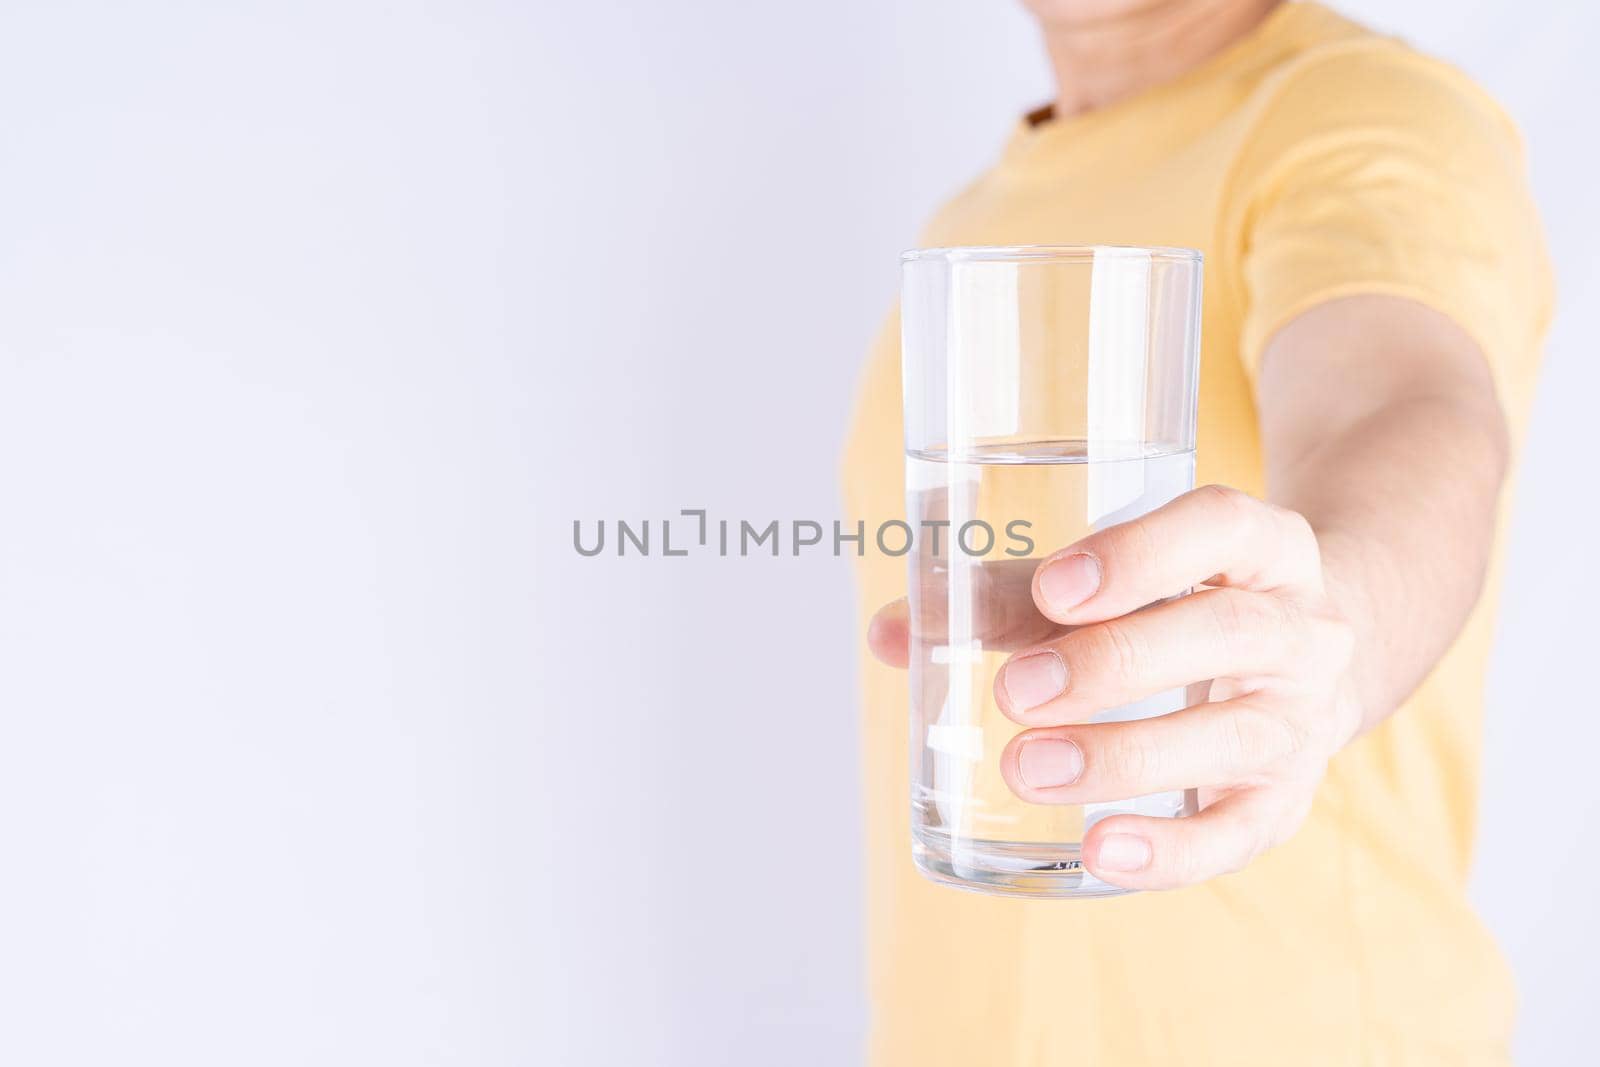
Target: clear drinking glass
[{"x": 1049, "y": 392}]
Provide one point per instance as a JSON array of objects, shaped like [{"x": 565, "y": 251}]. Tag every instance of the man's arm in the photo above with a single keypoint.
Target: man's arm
[
  {"x": 1321, "y": 608},
  {"x": 1382, "y": 428}
]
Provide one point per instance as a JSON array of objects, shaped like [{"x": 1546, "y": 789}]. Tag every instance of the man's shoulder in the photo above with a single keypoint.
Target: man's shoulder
[{"x": 1340, "y": 72}]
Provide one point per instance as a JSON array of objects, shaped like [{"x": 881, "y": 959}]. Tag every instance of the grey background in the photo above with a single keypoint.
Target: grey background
[{"x": 320, "y": 322}]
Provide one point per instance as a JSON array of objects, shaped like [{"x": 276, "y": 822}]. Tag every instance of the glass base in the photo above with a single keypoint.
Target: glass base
[{"x": 1007, "y": 868}]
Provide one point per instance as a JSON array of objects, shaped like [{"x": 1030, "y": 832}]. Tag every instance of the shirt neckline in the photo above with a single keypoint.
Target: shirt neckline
[{"x": 1026, "y": 134}]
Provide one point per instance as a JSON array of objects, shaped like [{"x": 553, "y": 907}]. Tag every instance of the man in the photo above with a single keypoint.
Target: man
[{"x": 1376, "y": 291}]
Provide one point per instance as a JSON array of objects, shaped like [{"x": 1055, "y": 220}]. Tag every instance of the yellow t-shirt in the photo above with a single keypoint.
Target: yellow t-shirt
[{"x": 1310, "y": 160}]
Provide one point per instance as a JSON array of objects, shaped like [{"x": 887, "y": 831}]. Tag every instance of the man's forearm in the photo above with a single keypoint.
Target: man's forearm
[
  {"x": 1382, "y": 428},
  {"x": 1403, "y": 502}
]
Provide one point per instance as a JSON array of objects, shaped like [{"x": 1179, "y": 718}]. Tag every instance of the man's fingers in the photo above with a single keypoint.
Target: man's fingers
[
  {"x": 1211, "y": 536},
  {"x": 1138, "y": 852},
  {"x": 1216, "y": 744},
  {"x": 889, "y": 634},
  {"x": 1215, "y": 633},
  {"x": 988, "y": 605}
]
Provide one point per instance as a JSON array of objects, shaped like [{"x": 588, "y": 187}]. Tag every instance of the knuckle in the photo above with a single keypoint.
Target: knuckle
[
  {"x": 1301, "y": 546},
  {"x": 1180, "y": 858},
  {"x": 1129, "y": 546},
  {"x": 1108, "y": 653},
  {"x": 1248, "y": 838},
  {"x": 1236, "y": 857},
  {"x": 1249, "y": 517},
  {"x": 1285, "y": 822},
  {"x": 1258, "y": 631},
  {"x": 1296, "y": 630},
  {"x": 1224, "y": 495},
  {"x": 1308, "y": 734},
  {"x": 1239, "y": 510},
  {"x": 1255, "y": 736},
  {"x": 1122, "y": 758},
  {"x": 1296, "y": 532},
  {"x": 1311, "y": 638},
  {"x": 1319, "y": 731},
  {"x": 1323, "y": 643},
  {"x": 1227, "y": 612},
  {"x": 1252, "y": 842},
  {"x": 1241, "y": 618}
]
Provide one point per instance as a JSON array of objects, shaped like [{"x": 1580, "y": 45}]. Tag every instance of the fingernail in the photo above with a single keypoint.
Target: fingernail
[
  {"x": 1034, "y": 679},
  {"x": 1069, "y": 581},
  {"x": 1047, "y": 762},
  {"x": 1124, "y": 852}
]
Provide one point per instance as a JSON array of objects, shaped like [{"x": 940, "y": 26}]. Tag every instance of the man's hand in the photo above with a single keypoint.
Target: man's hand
[
  {"x": 1384, "y": 435},
  {"x": 1263, "y": 628}
]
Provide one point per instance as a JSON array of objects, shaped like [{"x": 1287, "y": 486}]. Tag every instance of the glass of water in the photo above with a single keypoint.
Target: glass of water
[{"x": 1049, "y": 392}]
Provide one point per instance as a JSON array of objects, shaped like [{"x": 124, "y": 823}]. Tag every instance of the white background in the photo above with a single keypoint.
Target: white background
[{"x": 320, "y": 322}]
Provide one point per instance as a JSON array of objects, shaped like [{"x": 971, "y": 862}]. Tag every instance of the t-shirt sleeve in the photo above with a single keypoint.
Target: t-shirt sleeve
[{"x": 1379, "y": 171}]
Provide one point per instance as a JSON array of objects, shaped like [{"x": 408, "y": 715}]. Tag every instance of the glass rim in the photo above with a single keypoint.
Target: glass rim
[{"x": 1061, "y": 253}]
